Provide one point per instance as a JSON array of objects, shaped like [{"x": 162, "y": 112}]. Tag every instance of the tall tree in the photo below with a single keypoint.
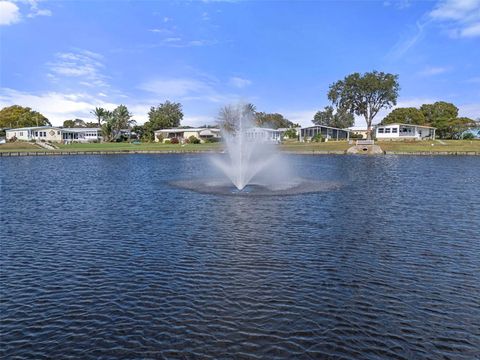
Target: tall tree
[
  {"x": 99, "y": 113},
  {"x": 19, "y": 116},
  {"x": 439, "y": 112},
  {"x": 340, "y": 119},
  {"x": 69, "y": 124},
  {"x": 365, "y": 95},
  {"x": 274, "y": 120},
  {"x": 164, "y": 116},
  {"x": 408, "y": 115},
  {"x": 441, "y": 115},
  {"x": 115, "y": 121}
]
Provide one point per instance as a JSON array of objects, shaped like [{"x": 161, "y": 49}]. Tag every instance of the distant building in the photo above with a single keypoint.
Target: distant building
[
  {"x": 182, "y": 134},
  {"x": 35, "y": 133},
  {"x": 264, "y": 134},
  {"x": 404, "y": 132},
  {"x": 359, "y": 131},
  {"x": 81, "y": 134},
  {"x": 54, "y": 134},
  {"x": 327, "y": 132},
  {"x": 474, "y": 131}
]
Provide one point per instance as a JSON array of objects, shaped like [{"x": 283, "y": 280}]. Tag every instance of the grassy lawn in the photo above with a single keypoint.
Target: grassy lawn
[
  {"x": 19, "y": 146},
  {"x": 138, "y": 147},
  {"x": 389, "y": 146},
  {"x": 430, "y": 146},
  {"x": 312, "y": 147}
]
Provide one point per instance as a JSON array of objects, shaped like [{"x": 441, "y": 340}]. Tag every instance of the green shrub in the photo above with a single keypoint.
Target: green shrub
[
  {"x": 468, "y": 136},
  {"x": 318, "y": 138},
  {"x": 193, "y": 140},
  {"x": 160, "y": 137},
  {"x": 212, "y": 140}
]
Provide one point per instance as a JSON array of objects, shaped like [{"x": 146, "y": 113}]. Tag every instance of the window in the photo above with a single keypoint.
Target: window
[
  {"x": 44, "y": 134},
  {"x": 36, "y": 133},
  {"x": 387, "y": 130},
  {"x": 394, "y": 130},
  {"x": 58, "y": 132},
  {"x": 380, "y": 130}
]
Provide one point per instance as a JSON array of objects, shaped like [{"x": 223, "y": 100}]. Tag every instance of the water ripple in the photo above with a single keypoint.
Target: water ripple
[{"x": 108, "y": 260}]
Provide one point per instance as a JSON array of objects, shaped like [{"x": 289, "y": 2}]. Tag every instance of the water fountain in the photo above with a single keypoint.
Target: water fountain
[
  {"x": 251, "y": 164},
  {"x": 249, "y": 152}
]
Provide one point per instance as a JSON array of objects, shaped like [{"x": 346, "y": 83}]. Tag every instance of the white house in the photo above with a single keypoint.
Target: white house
[
  {"x": 54, "y": 134},
  {"x": 404, "y": 132},
  {"x": 359, "y": 131},
  {"x": 264, "y": 134},
  {"x": 35, "y": 133},
  {"x": 327, "y": 132},
  {"x": 182, "y": 134},
  {"x": 82, "y": 135}
]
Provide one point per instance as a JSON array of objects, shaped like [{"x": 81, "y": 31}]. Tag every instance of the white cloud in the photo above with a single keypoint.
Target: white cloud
[
  {"x": 433, "y": 70},
  {"x": 35, "y": 10},
  {"x": 57, "y": 107},
  {"x": 302, "y": 117},
  {"x": 239, "y": 82},
  {"x": 469, "y": 110},
  {"x": 462, "y": 17},
  {"x": 188, "y": 90},
  {"x": 198, "y": 120},
  {"x": 9, "y": 13},
  {"x": 176, "y": 42},
  {"x": 160, "y": 31},
  {"x": 402, "y": 46},
  {"x": 471, "y": 31},
  {"x": 175, "y": 87},
  {"x": 82, "y": 64}
]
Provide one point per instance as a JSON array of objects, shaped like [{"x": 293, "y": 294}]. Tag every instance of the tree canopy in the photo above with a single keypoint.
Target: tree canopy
[
  {"x": 273, "y": 121},
  {"x": 164, "y": 116},
  {"x": 441, "y": 115},
  {"x": 17, "y": 116},
  {"x": 340, "y": 119},
  {"x": 365, "y": 95},
  {"x": 99, "y": 114},
  {"x": 444, "y": 116},
  {"x": 408, "y": 115},
  {"x": 115, "y": 121},
  {"x": 77, "y": 123}
]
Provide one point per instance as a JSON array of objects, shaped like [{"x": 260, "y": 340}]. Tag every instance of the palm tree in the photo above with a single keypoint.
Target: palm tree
[{"x": 99, "y": 113}]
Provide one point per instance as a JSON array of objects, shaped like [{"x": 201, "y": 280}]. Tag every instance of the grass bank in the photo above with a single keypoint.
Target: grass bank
[
  {"x": 430, "y": 146},
  {"x": 390, "y": 147}
]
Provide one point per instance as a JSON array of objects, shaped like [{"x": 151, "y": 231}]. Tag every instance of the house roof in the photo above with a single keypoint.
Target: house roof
[
  {"x": 180, "y": 130},
  {"x": 421, "y": 126},
  {"x": 34, "y": 128},
  {"x": 323, "y": 126},
  {"x": 77, "y": 130}
]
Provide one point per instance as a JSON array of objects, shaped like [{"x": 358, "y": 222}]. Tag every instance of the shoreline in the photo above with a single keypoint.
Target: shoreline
[{"x": 290, "y": 152}]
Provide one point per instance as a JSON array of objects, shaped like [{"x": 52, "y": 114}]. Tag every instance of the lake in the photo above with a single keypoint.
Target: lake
[{"x": 103, "y": 257}]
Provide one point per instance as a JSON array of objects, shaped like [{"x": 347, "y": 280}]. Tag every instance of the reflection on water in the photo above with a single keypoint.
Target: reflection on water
[{"x": 101, "y": 257}]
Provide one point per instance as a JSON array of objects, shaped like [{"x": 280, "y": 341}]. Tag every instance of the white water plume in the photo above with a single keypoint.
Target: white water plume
[{"x": 250, "y": 152}]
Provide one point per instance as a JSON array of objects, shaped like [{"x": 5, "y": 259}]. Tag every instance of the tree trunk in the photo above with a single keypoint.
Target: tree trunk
[{"x": 369, "y": 127}]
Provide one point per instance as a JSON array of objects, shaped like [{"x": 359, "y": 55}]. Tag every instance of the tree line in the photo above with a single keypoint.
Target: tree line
[
  {"x": 366, "y": 94},
  {"x": 357, "y": 94}
]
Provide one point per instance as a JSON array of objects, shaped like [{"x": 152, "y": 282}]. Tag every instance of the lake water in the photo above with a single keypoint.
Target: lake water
[{"x": 102, "y": 257}]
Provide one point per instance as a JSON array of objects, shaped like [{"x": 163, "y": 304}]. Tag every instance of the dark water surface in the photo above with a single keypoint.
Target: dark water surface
[{"x": 101, "y": 257}]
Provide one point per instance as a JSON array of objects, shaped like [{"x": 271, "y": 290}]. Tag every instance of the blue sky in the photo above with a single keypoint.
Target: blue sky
[{"x": 63, "y": 58}]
